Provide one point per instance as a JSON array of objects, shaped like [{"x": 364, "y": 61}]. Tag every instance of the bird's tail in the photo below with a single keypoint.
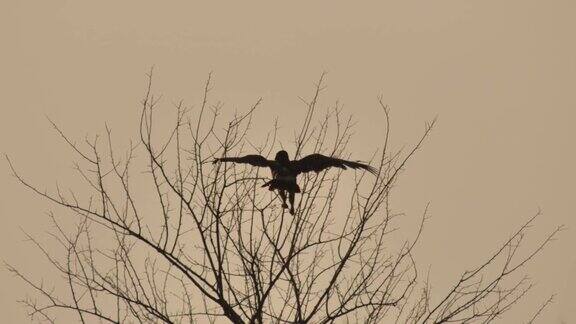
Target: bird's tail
[{"x": 281, "y": 185}]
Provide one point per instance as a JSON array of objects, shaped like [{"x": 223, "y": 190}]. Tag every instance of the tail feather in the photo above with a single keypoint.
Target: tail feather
[{"x": 281, "y": 185}]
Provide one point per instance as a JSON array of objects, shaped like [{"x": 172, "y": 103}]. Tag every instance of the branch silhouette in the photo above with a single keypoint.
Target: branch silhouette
[{"x": 206, "y": 243}]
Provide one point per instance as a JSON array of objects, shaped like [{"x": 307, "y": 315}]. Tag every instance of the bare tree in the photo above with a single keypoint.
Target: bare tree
[{"x": 215, "y": 247}]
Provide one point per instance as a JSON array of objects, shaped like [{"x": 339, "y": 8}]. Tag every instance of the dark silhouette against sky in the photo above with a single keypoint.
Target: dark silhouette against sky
[{"x": 284, "y": 171}]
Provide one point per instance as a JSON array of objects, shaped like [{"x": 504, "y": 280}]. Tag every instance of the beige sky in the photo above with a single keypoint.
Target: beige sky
[{"x": 501, "y": 76}]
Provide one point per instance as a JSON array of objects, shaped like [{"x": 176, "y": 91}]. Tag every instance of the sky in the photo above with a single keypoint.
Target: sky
[{"x": 499, "y": 76}]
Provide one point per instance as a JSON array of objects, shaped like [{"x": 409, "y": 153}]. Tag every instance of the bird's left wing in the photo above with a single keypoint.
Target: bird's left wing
[
  {"x": 253, "y": 159},
  {"x": 318, "y": 162}
]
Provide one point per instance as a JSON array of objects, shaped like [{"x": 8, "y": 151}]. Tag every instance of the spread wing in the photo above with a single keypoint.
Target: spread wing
[
  {"x": 319, "y": 162},
  {"x": 255, "y": 160}
]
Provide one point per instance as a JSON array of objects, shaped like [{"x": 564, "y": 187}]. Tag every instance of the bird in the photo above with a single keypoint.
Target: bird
[{"x": 285, "y": 171}]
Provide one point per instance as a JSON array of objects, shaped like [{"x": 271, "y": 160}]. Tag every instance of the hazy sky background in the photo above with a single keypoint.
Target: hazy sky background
[{"x": 500, "y": 75}]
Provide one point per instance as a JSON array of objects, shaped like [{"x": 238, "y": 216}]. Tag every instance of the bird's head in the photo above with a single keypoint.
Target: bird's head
[{"x": 282, "y": 157}]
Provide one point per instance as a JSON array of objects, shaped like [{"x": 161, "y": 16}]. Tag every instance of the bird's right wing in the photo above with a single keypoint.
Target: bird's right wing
[{"x": 253, "y": 159}]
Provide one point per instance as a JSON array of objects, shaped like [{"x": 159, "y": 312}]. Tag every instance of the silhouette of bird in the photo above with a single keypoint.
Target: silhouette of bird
[{"x": 284, "y": 171}]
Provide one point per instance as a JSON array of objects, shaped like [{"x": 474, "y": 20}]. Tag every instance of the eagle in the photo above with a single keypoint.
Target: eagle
[{"x": 284, "y": 171}]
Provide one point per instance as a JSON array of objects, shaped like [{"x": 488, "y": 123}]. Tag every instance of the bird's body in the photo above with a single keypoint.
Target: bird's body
[{"x": 285, "y": 172}]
